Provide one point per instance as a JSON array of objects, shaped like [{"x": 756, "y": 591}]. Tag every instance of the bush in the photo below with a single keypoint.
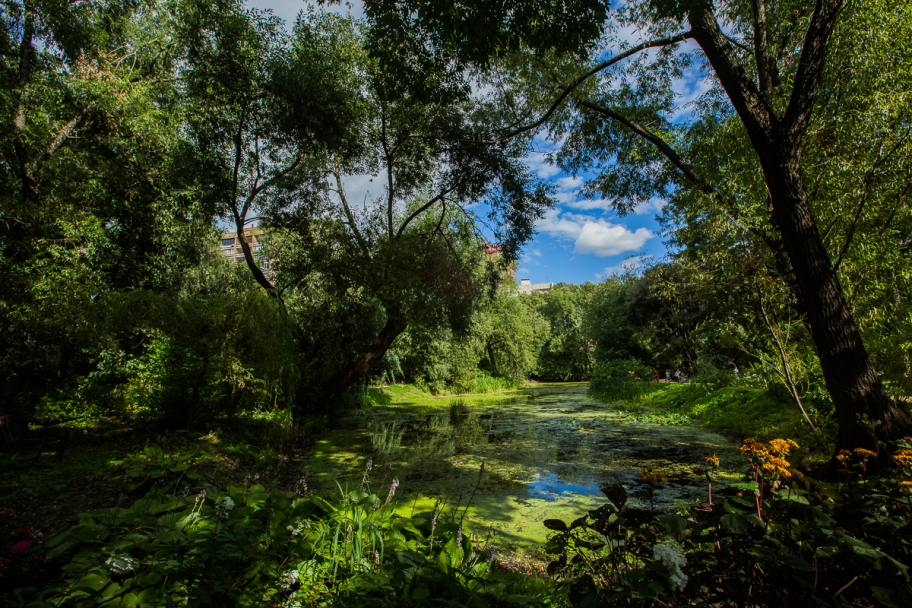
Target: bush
[{"x": 620, "y": 379}]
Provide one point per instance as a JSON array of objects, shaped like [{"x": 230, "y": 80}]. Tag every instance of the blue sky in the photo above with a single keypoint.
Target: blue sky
[{"x": 579, "y": 240}]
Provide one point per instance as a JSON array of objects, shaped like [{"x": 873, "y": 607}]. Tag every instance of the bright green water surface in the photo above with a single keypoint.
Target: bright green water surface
[{"x": 546, "y": 449}]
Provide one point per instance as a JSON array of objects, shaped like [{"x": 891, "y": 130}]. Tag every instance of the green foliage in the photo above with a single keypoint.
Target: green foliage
[
  {"x": 621, "y": 380},
  {"x": 803, "y": 542},
  {"x": 251, "y": 546},
  {"x": 567, "y": 353}
]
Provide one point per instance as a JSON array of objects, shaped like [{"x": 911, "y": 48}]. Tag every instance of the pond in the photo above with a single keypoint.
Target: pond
[{"x": 546, "y": 449}]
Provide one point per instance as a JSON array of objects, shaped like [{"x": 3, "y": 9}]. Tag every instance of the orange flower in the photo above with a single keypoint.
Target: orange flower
[
  {"x": 712, "y": 460},
  {"x": 903, "y": 457},
  {"x": 652, "y": 476},
  {"x": 864, "y": 453},
  {"x": 843, "y": 455}
]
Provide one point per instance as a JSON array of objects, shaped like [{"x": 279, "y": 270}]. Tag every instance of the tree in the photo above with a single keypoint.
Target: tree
[
  {"x": 409, "y": 252},
  {"x": 92, "y": 200},
  {"x": 567, "y": 354}
]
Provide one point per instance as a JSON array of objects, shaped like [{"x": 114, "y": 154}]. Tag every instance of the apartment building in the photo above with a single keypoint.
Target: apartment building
[
  {"x": 231, "y": 247},
  {"x": 526, "y": 287}
]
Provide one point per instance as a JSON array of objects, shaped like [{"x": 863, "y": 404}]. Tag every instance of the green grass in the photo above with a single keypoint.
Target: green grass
[
  {"x": 412, "y": 398},
  {"x": 738, "y": 411}
]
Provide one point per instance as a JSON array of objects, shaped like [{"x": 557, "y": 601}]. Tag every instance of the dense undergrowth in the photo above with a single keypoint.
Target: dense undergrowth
[{"x": 776, "y": 539}]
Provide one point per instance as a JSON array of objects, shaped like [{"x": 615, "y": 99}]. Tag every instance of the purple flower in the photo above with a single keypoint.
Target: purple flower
[
  {"x": 370, "y": 464},
  {"x": 21, "y": 547},
  {"x": 25, "y": 533}
]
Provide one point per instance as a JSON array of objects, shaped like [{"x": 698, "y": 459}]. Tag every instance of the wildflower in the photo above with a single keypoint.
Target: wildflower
[
  {"x": 120, "y": 563},
  {"x": 21, "y": 547},
  {"x": 843, "y": 455},
  {"x": 298, "y": 526},
  {"x": 7, "y": 514},
  {"x": 370, "y": 464},
  {"x": 907, "y": 484},
  {"x": 652, "y": 477},
  {"x": 288, "y": 579},
  {"x": 459, "y": 536},
  {"x": 669, "y": 553},
  {"x": 26, "y": 533},
  {"x": 224, "y": 504},
  {"x": 782, "y": 446},
  {"x": 712, "y": 461},
  {"x": 393, "y": 487},
  {"x": 752, "y": 447},
  {"x": 864, "y": 453},
  {"x": 903, "y": 457}
]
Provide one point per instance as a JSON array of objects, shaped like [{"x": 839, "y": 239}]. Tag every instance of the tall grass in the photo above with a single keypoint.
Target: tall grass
[{"x": 487, "y": 384}]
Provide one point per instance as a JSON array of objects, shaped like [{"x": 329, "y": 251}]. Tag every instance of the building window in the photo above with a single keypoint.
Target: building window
[{"x": 228, "y": 242}]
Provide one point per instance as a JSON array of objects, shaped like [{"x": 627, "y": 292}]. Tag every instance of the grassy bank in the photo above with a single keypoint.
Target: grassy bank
[{"x": 736, "y": 411}]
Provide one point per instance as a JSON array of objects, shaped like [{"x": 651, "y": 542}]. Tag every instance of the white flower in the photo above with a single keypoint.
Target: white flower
[
  {"x": 288, "y": 579},
  {"x": 298, "y": 526},
  {"x": 669, "y": 553},
  {"x": 120, "y": 563},
  {"x": 224, "y": 504}
]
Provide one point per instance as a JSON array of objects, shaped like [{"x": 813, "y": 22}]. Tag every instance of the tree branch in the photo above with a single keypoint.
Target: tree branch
[
  {"x": 600, "y": 67},
  {"x": 348, "y": 212},
  {"x": 810, "y": 68},
  {"x": 61, "y": 138},
  {"x": 425, "y": 207},
  {"x": 655, "y": 140},
  {"x": 389, "y": 171},
  {"x": 758, "y": 118},
  {"x": 761, "y": 46}
]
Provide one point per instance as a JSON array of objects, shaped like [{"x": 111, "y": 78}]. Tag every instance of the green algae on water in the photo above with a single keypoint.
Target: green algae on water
[{"x": 547, "y": 449}]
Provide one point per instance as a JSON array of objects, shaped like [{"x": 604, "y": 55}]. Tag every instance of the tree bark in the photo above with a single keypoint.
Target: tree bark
[{"x": 360, "y": 364}]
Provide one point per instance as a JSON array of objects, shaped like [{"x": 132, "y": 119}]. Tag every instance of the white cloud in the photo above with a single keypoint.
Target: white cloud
[
  {"x": 599, "y": 237},
  {"x": 587, "y": 205},
  {"x": 631, "y": 264},
  {"x": 539, "y": 164},
  {"x": 653, "y": 206}
]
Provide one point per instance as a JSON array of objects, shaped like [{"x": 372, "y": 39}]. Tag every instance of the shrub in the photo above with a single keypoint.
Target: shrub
[{"x": 620, "y": 379}]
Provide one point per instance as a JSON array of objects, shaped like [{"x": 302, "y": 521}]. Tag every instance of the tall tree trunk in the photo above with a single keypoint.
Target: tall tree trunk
[
  {"x": 850, "y": 377},
  {"x": 360, "y": 364}
]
